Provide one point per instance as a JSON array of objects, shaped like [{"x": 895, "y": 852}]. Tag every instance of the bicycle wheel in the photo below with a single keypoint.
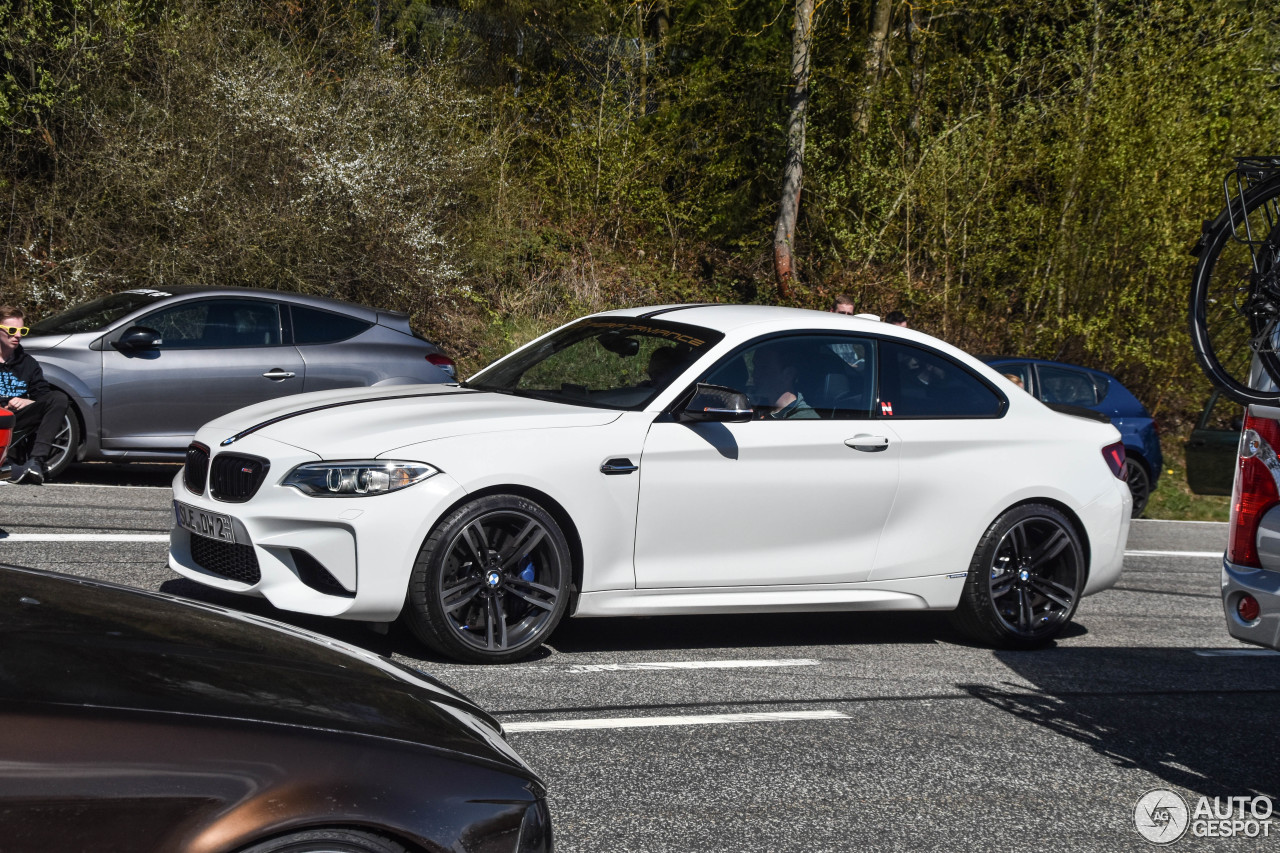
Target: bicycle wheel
[{"x": 1235, "y": 295}]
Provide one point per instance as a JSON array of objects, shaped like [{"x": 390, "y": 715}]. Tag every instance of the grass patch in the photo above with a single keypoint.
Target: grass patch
[{"x": 1172, "y": 499}]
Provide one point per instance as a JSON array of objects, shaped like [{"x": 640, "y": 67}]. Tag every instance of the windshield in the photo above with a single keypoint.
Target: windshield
[
  {"x": 97, "y": 313},
  {"x": 612, "y": 363}
]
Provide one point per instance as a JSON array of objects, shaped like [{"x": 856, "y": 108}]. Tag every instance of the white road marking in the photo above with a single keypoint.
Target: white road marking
[
  {"x": 1174, "y": 521},
  {"x": 84, "y": 537},
  {"x": 667, "y": 665},
  {"x": 99, "y": 486},
  {"x": 1173, "y": 553},
  {"x": 1236, "y": 653},
  {"x": 648, "y": 722}
]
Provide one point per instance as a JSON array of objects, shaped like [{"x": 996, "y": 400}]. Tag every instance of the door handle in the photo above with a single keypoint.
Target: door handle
[
  {"x": 868, "y": 443},
  {"x": 618, "y": 466},
  {"x": 276, "y": 374}
]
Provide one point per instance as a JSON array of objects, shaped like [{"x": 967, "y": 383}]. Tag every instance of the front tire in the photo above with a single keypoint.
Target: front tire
[
  {"x": 1025, "y": 579},
  {"x": 491, "y": 582}
]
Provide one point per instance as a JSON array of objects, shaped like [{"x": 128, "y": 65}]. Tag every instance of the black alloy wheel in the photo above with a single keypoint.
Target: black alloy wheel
[
  {"x": 1139, "y": 485},
  {"x": 491, "y": 582},
  {"x": 1025, "y": 579}
]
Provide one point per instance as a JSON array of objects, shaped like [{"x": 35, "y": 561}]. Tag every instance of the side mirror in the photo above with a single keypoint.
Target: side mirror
[
  {"x": 716, "y": 404},
  {"x": 138, "y": 338}
]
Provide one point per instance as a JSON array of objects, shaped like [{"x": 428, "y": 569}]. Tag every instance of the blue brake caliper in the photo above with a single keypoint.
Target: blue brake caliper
[{"x": 527, "y": 573}]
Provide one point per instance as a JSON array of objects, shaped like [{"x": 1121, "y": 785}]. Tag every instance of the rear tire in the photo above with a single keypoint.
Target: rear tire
[
  {"x": 1139, "y": 485},
  {"x": 491, "y": 582},
  {"x": 65, "y": 445},
  {"x": 1025, "y": 579}
]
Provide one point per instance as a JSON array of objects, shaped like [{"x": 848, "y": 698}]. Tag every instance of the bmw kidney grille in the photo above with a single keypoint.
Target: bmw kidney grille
[{"x": 234, "y": 478}]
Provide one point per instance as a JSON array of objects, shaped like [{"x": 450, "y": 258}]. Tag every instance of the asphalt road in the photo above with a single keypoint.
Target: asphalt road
[{"x": 818, "y": 732}]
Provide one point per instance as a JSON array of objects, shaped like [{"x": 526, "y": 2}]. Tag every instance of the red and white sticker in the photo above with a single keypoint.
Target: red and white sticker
[{"x": 886, "y": 409}]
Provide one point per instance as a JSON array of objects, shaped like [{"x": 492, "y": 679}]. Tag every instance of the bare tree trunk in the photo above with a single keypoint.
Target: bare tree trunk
[
  {"x": 915, "y": 58},
  {"x": 660, "y": 22},
  {"x": 873, "y": 68},
  {"x": 793, "y": 171}
]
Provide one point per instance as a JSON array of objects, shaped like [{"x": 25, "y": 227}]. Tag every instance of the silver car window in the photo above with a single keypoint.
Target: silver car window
[{"x": 217, "y": 324}]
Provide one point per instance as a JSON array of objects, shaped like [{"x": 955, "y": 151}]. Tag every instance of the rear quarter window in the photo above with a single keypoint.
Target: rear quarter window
[
  {"x": 920, "y": 383},
  {"x": 314, "y": 326},
  {"x": 1070, "y": 387}
]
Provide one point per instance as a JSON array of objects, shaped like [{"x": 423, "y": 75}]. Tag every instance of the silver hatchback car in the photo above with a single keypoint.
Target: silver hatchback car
[{"x": 144, "y": 369}]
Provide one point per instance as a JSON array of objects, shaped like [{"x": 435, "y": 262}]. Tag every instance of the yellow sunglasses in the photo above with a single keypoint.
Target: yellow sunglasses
[{"x": 14, "y": 330}]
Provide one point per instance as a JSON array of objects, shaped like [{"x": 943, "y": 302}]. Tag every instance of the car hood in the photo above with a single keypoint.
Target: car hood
[
  {"x": 71, "y": 641},
  {"x": 375, "y": 421}
]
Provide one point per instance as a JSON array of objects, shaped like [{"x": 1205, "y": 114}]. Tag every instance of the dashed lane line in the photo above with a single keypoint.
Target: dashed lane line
[
  {"x": 1173, "y": 553},
  {"x": 653, "y": 722},
  {"x": 576, "y": 668}
]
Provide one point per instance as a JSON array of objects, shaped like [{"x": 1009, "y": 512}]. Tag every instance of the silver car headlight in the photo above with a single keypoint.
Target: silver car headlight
[{"x": 356, "y": 479}]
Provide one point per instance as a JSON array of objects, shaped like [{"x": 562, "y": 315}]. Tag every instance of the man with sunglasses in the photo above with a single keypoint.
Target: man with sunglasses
[{"x": 24, "y": 391}]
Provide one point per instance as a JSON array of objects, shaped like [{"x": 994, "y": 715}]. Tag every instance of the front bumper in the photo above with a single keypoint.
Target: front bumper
[
  {"x": 1264, "y": 586},
  {"x": 341, "y": 557}
]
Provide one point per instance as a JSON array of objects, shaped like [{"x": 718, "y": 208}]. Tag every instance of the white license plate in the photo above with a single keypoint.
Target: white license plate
[{"x": 212, "y": 525}]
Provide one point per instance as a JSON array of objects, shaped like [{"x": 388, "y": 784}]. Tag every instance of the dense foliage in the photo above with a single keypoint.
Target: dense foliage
[{"x": 1020, "y": 179}]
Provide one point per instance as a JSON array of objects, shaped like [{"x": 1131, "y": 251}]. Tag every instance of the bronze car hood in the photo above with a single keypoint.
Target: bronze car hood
[{"x": 74, "y": 642}]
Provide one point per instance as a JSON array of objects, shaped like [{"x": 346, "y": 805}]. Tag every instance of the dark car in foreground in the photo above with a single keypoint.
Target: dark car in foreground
[
  {"x": 137, "y": 721},
  {"x": 1064, "y": 384},
  {"x": 146, "y": 368}
]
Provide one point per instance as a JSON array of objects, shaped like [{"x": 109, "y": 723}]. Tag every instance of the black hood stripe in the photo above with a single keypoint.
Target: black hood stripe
[{"x": 233, "y": 439}]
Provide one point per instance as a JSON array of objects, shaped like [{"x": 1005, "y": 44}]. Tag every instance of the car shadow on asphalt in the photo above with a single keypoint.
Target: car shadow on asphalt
[
  {"x": 746, "y": 631},
  {"x": 576, "y": 637},
  {"x": 1204, "y": 723},
  {"x": 158, "y": 474}
]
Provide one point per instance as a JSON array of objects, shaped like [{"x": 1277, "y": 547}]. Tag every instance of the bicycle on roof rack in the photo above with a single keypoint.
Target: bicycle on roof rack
[{"x": 1235, "y": 291}]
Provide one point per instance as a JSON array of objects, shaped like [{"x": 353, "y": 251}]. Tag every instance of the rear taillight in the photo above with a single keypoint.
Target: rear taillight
[
  {"x": 444, "y": 363},
  {"x": 1114, "y": 454},
  {"x": 1255, "y": 490}
]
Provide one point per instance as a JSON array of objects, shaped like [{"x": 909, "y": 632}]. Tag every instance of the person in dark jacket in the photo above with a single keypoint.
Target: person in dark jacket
[{"x": 35, "y": 403}]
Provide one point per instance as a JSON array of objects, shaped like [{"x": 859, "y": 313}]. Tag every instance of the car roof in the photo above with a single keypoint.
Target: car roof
[
  {"x": 267, "y": 293},
  {"x": 729, "y": 318},
  {"x": 999, "y": 359}
]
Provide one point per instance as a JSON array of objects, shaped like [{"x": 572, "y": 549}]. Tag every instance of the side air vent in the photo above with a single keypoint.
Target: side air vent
[{"x": 313, "y": 573}]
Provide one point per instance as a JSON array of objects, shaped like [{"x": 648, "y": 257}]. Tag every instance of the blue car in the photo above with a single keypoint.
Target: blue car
[{"x": 1071, "y": 385}]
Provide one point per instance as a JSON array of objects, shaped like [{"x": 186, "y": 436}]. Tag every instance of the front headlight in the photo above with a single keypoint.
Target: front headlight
[{"x": 356, "y": 479}]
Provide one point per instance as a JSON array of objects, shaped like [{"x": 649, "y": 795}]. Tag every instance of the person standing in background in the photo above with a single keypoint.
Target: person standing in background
[{"x": 842, "y": 305}]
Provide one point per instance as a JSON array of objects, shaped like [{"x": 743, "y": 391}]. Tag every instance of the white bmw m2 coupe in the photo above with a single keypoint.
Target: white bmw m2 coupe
[{"x": 677, "y": 459}]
